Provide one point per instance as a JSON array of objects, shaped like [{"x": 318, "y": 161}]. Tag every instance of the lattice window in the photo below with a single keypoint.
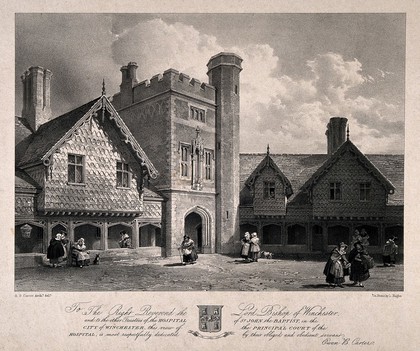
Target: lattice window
[
  {"x": 208, "y": 164},
  {"x": 185, "y": 156},
  {"x": 198, "y": 114},
  {"x": 76, "y": 170},
  {"x": 123, "y": 175},
  {"x": 364, "y": 191},
  {"x": 269, "y": 190},
  {"x": 335, "y": 191}
]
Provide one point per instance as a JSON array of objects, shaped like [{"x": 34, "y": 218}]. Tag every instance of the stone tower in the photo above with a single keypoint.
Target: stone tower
[
  {"x": 36, "y": 96},
  {"x": 223, "y": 71}
]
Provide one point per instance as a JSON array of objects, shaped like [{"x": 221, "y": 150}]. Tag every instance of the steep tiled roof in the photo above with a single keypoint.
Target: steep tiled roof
[
  {"x": 24, "y": 182},
  {"x": 22, "y": 129},
  {"x": 51, "y": 132},
  {"x": 298, "y": 168},
  {"x": 152, "y": 193},
  {"x": 347, "y": 147},
  {"x": 269, "y": 162},
  {"x": 392, "y": 167}
]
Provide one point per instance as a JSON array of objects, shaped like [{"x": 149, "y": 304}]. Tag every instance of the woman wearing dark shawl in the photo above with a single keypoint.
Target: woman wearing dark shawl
[
  {"x": 359, "y": 271},
  {"x": 55, "y": 251},
  {"x": 334, "y": 268},
  {"x": 189, "y": 253}
]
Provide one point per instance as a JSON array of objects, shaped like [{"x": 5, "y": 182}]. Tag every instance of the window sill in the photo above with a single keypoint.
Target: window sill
[
  {"x": 76, "y": 184},
  {"x": 123, "y": 188}
]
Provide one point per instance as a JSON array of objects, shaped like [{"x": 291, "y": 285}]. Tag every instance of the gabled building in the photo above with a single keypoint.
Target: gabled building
[
  {"x": 85, "y": 172},
  {"x": 309, "y": 203},
  {"x": 82, "y": 172}
]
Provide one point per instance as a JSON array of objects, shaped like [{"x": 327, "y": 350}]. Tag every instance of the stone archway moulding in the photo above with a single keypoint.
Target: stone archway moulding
[{"x": 206, "y": 221}]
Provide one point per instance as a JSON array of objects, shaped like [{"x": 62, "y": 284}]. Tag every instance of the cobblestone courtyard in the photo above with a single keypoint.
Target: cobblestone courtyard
[{"x": 124, "y": 270}]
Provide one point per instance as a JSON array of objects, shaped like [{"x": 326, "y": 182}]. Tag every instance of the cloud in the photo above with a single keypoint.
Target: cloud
[
  {"x": 296, "y": 111},
  {"x": 383, "y": 74},
  {"x": 156, "y": 46},
  {"x": 288, "y": 112}
]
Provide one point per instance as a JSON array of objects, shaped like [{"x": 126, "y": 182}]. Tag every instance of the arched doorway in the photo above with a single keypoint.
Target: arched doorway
[
  {"x": 58, "y": 228},
  {"x": 271, "y": 234},
  {"x": 194, "y": 229},
  {"x": 29, "y": 238},
  {"x": 114, "y": 234},
  {"x": 150, "y": 235},
  {"x": 247, "y": 227},
  {"x": 91, "y": 234},
  {"x": 197, "y": 225},
  {"x": 296, "y": 235}
]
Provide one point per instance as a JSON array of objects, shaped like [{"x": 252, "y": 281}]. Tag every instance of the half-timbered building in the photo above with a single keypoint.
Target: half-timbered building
[{"x": 85, "y": 172}]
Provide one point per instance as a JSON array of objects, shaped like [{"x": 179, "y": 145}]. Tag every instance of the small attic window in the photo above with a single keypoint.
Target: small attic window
[
  {"x": 269, "y": 190},
  {"x": 75, "y": 169},
  {"x": 335, "y": 191},
  {"x": 123, "y": 175},
  {"x": 364, "y": 191}
]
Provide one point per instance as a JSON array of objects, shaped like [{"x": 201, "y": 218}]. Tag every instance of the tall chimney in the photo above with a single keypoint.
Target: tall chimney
[
  {"x": 128, "y": 80},
  {"x": 336, "y": 133},
  {"x": 36, "y": 96}
]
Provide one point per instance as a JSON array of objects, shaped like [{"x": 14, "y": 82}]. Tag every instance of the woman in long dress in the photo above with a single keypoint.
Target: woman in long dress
[
  {"x": 334, "y": 268},
  {"x": 187, "y": 248},
  {"x": 246, "y": 246},
  {"x": 389, "y": 253},
  {"x": 65, "y": 242},
  {"x": 255, "y": 247},
  {"x": 55, "y": 251},
  {"x": 358, "y": 258},
  {"x": 82, "y": 256}
]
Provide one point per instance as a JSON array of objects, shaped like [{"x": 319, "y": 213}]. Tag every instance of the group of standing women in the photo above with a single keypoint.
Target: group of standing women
[
  {"x": 250, "y": 247},
  {"x": 59, "y": 250},
  {"x": 357, "y": 265}
]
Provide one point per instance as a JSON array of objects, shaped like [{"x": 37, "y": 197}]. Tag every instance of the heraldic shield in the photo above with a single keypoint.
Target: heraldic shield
[{"x": 210, "y": 318}]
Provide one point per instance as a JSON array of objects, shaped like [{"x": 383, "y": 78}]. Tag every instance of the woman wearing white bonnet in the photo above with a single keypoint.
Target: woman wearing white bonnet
[
  {"x": 55, "y": 251},
  {"x": 83, "y": 258},
  {"x": 255, "y": 247}
]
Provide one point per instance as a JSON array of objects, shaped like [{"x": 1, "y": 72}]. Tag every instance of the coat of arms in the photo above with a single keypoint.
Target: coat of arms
[
  {"x": 210, "y": 318},
  {"x": 210, "y": 321}
]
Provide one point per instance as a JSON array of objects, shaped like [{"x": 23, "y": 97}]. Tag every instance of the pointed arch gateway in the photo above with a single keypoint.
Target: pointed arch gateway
[{"x": 198, "y": 225}]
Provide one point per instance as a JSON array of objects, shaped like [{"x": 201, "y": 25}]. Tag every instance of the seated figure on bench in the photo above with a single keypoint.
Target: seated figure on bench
[
  {"x": 80, "y": 253},
  {"x": 125, "y": 241}
]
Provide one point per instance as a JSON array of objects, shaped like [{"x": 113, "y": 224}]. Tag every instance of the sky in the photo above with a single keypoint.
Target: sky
[{"x": 299, "y": 70}]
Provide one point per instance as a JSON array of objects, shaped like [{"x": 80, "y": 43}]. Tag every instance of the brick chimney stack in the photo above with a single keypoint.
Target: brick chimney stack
[
  {"x": 36, "y": 96},
  {"x": 128, "y": 81},
  {"x": 336, "y": 133}
]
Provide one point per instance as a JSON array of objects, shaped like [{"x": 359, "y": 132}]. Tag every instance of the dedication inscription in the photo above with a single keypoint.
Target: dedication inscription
[
  {"x": 308, "y": 321},
  {"x": 137, "y": 323}
]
